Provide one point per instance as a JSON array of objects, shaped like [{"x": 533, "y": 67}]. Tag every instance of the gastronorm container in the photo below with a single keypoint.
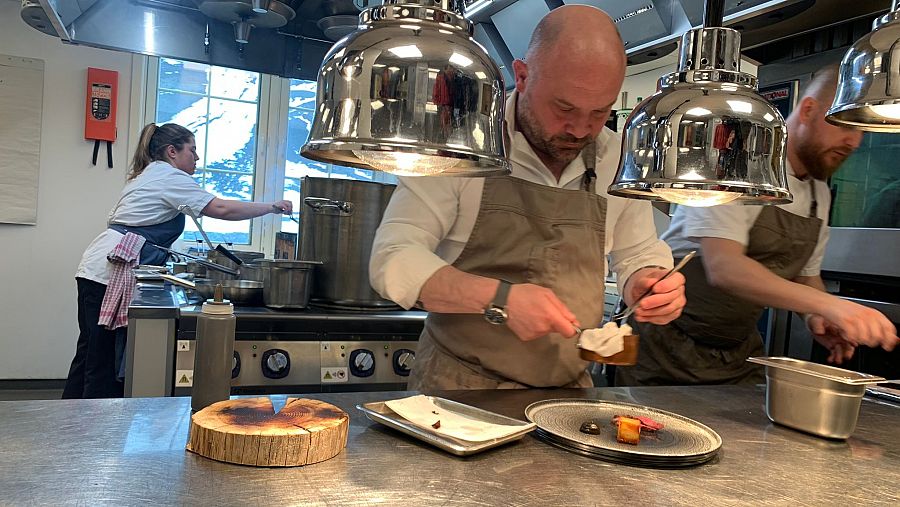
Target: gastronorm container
[{"x": 811, "y": 397}]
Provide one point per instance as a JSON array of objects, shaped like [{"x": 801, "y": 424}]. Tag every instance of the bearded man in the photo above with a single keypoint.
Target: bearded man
[
  {"x": 757, "y": 256},
  {"x": 508, "y": 266}
]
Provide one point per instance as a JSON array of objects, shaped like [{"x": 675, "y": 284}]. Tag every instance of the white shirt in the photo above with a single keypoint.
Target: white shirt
[
  {"x": 734, "y": 222},
  {"x": 151, "y": 198},
  {"x": 429, "y": 220}
]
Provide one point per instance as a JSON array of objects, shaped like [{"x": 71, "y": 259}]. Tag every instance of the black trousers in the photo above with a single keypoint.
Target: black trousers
[{"x": 93, "y": 371}]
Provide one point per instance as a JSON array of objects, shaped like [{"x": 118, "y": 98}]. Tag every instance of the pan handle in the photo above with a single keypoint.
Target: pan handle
[
  {"x": 200, "y": 260},
  {"x": 320, "y": 204},
  {"x": 184, "y": 208}
]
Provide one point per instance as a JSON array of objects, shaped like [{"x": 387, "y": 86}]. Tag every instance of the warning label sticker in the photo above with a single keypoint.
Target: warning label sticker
[
  {"x": 184, "y": 378},
  {"x": 334, "y": 374}
]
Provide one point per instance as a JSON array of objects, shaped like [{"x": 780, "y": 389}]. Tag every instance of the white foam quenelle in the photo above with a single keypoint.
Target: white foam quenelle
[{"x": 606, "y": 340}]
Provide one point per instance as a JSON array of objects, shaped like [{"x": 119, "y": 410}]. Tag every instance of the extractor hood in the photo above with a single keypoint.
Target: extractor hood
[
  {"x": 281, "y": 37},
  {"x": 294, "y": 45},
  {"x": 651, "y": 28}
]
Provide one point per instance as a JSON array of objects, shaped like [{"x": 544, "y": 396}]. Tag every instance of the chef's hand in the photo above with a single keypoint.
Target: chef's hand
[
  {"x": 829, "y": 336},
  {"x": 284, "y": 207},
  {"x": 534, "y": 311},
  {"x": 861, "y": 325},
  {"x": 666, "y": 301}
]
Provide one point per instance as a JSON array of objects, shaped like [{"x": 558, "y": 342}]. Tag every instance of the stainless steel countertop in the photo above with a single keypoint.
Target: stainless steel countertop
[
  {"x": 131, "y": 452},
  {"x": 153, "y": 300}
]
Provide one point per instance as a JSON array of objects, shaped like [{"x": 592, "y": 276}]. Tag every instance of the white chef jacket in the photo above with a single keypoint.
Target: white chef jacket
[
  {"x": 151, "y": 198},
  {"x": 429, "y": 220},
  {"x": 734, "y": 221}
]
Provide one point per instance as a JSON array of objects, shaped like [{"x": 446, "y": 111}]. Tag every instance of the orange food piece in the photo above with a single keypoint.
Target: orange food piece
[{"x": 629, "y": 430}]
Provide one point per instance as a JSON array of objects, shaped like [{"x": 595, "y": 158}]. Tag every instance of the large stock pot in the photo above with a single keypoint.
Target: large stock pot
[{"x": 338, "y": 219}]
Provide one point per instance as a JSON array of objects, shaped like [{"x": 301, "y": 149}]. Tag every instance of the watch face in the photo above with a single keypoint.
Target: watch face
[{"x": 495, "y": 315}]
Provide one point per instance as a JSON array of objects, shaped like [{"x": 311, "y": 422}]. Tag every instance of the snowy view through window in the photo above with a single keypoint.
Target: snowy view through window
[{"x": 221, "y": 107}]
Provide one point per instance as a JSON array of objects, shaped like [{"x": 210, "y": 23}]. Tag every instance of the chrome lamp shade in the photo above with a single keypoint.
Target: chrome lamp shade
[
  {"x": 868, "y": 92},
  {"x": 411, "y": 93},
  {"x": 706, "y": 137}
]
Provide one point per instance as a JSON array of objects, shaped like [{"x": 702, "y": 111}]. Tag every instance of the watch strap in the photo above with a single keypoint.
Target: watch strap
[{"x": 502, "y": 294}]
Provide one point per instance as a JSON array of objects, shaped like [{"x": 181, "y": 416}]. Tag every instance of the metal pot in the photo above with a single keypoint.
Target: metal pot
[
  {"x": 287, "y": 283},
  {"x": 196, "y": 268},
  {"x": 243, "y": 292},
  {"x": 239, "y": 292},
  {"x": 338, "y": 220},
  {"x": 252, "y": 271},
  {"x": 204, "y": 287},
  {"x": 220, "y": 259}
]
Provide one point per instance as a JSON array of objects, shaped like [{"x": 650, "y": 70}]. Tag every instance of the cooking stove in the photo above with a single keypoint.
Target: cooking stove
[{"x": 314, "y": 350}]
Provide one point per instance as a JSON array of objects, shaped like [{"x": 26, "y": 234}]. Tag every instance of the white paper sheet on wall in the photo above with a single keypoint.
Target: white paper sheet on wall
[{"x": 21, "y": 98}]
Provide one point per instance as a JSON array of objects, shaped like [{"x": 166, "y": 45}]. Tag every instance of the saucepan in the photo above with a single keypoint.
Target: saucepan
[{"x": 239, "y": 292}]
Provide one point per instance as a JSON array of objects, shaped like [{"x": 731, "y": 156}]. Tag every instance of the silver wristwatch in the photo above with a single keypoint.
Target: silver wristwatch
[{"x": 495, "y": 313}]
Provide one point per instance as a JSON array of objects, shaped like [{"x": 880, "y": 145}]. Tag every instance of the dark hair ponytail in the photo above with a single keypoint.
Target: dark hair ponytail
[{"x": 153, "y": 143}]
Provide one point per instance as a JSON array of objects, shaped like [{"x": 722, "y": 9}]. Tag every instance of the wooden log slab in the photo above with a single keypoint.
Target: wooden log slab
[{"x": 247, "y": 431}]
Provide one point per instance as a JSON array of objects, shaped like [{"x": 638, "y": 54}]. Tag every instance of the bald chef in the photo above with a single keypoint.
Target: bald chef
[{"x": 507, "y": 265}]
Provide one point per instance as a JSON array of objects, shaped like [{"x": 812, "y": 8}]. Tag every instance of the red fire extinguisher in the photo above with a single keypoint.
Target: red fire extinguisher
[{"x": 100, "y": 110}]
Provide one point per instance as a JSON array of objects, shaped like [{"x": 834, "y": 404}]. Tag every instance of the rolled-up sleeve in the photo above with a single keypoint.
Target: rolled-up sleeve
[
  {"x": 634, "y": 243},
  {"x": 418, "y": 217}
]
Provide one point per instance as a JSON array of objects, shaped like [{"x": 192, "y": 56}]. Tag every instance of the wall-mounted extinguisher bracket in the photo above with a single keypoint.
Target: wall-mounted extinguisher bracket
[{"x": 100, "y": 110}]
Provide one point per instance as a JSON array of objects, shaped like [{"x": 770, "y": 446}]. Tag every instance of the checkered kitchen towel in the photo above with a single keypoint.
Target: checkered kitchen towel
[{"x": 126, "y": 254}]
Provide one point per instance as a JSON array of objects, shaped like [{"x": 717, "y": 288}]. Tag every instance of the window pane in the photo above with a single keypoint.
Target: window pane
[
  {"x": 228, "y": 185},
  {"x": 351, "y": 173},
  {"x": 234, "y": 84},
  {"x": 184, "y": 76},
  {"x": 226, "y": 231},
  {"x": 297, "y": 166},
  {"x": 232, "y": 136},
  {"x": 291, "y": 193},
  {"x": 225, "y": 131},
  {"x": 303, "y": 94},
  {"x": 189, "y": 111}
]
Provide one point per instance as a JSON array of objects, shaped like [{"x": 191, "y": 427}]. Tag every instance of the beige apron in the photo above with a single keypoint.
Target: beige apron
[
  {"x": 710, "y": 342},
  {"x": 525, "y": 233}
]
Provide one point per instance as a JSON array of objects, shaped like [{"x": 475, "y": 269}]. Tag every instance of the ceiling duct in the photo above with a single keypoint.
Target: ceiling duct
[{"x": 285, "y": 40}]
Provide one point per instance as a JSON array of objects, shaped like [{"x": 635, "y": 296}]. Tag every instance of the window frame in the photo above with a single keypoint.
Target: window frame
[
  {"x": 265, "y": 180},
  {"x": 271, "y": 150}
]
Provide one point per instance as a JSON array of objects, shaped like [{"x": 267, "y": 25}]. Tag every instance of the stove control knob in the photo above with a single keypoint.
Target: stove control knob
[
  {"x": 236, "y": 365},
  {"x": 276, "y": 363},
  {"x": 362, "y": 363},
  {"x": 403, "y": 361}
]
